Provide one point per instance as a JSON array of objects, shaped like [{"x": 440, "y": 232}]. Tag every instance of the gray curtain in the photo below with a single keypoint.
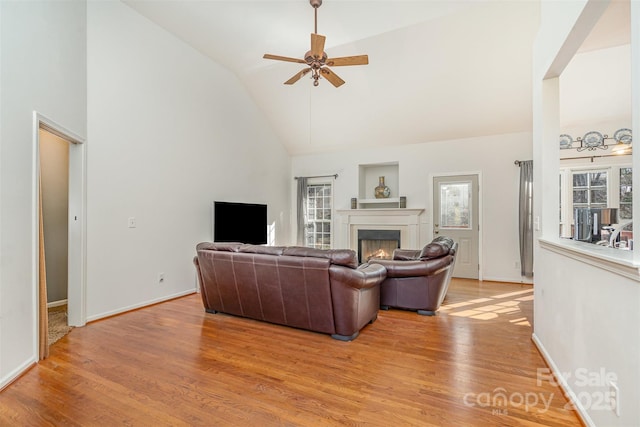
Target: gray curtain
[
  {"x": 526, "y": 218},
  {"x": 301, "y": 210}
]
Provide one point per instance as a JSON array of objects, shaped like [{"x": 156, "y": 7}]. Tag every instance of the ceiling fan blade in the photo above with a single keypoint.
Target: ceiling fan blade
[
  {"x": 284, "y": 58},
  {"x": 331, "y": 76},
  {"x": 348, "y": 60},
  {"x": 297, "y": 77},
  {"x": 317, "y": 45}
]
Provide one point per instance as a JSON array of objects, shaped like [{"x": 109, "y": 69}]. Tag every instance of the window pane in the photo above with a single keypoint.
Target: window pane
[
  {"x": 599, "y": 196},
  {"x": 625, "y": 211},
  {"x": 626, "y": 195},
  {"x": 580, "y": 180},
  {"x": 625, "y": 176},
  {"x": 454, "y": 205},
  {"x": 598, "y": 178},
  {"x": 580, "y": 196}
]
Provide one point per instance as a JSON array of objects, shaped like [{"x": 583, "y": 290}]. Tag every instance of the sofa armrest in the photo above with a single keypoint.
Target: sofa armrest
[
  {"x": 365, "y": 276},
  {"x": 414, "y": 268},
  {"x": 355, "y": 294}
]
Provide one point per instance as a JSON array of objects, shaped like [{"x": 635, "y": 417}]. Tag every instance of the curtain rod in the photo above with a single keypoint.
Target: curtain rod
[
  {"x": 335, "y": 175},
  {"x": 520, "y": 162},
  {"x": 591, "y": 157}
]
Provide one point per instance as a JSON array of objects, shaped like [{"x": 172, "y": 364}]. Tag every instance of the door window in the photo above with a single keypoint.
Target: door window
[{"x": 455, "y": 209}]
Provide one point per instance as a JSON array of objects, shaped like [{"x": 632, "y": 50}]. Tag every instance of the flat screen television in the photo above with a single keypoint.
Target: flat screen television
[{"x": 240, "y": 222}]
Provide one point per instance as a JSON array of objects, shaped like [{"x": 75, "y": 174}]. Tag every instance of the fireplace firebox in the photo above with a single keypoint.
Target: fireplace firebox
[{"x": 377, "y": 244}]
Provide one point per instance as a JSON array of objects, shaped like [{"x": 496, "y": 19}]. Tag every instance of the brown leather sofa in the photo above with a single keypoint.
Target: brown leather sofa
[
  {"x": 319, "y": 290},
  {"x": 418, "y": 279}
]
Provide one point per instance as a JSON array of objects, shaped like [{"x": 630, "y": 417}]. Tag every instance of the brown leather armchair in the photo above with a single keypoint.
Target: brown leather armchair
[{"x": 418, "y": 279}]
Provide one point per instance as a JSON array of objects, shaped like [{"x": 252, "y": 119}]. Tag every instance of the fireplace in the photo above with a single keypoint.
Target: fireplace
[{"x": 377, "y": 244}]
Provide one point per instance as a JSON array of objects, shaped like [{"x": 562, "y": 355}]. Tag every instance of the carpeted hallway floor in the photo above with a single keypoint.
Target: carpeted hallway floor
[{"x": 58, "y": 326}]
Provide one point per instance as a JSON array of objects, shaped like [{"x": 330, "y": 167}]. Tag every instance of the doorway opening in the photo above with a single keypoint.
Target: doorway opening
[{"x": 75, "y": 212}]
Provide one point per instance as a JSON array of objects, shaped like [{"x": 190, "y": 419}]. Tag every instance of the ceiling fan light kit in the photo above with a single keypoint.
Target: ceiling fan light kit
[{"x": 317, "y": 60}]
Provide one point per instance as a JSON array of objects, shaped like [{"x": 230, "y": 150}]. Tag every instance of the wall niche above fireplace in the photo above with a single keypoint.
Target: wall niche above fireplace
[{"x": 368, "y": 180}]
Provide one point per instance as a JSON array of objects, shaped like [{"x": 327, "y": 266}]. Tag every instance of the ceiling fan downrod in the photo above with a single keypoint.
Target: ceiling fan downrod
[{"x": 315, "y": 4}]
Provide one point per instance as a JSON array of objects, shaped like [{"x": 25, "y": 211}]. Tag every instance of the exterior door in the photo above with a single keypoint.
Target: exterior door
[{"x": 455, "y": 207}]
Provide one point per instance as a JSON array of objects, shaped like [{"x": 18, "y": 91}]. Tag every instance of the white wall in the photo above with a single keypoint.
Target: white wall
[
  {"x": 43, "y": 56},
  {"x": 491, "y": 156},
  {"x": 595, "y": 92},
  {"x": 585, "y": 318},
  {"x": 54, "y": 172},
  {"x": 170, "y": 131}
]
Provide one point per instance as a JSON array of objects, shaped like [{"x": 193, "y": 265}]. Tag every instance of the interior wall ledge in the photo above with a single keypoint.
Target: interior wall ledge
[{"x": 613, "y": 260}]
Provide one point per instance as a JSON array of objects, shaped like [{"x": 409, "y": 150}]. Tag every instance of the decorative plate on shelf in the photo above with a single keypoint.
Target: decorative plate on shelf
[
  {"x": 623, "y": 136},
  {"x": 565, "y": 141},
  {"x": 593, "y": 139}
]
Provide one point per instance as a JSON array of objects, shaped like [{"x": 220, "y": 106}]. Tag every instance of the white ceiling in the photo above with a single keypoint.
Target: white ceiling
[{"x": 437, "y": 70}]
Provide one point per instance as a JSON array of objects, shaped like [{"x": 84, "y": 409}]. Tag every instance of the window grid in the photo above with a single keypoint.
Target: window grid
[
  {"x": 626, "y": 194},
  {"x": 318, "y": 218},
  {"x": 590, "y": 189}
]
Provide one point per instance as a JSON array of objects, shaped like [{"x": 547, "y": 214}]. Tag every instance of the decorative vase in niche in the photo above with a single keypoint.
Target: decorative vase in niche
[{"x": 382, "y": 191}]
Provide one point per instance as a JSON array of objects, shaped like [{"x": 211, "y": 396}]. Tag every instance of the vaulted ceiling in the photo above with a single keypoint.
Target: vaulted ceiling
[{"x": 437, "y": 70}]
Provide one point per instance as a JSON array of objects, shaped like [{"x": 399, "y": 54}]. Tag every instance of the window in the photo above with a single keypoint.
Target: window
[
  {"x": 626, "y": 194},
  {"x": 590, "y": 189},
  {"x": 609, "y": 187},
  {"x": 318, "y": 216},
  {"x": 454, "y": 205}
]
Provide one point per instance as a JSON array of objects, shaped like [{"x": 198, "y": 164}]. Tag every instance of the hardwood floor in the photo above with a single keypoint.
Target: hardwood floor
[{"x": 173, "y": 364}]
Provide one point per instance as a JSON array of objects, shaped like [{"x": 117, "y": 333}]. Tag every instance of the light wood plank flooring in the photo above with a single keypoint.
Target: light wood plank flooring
[{"x": 173, "y": 364}]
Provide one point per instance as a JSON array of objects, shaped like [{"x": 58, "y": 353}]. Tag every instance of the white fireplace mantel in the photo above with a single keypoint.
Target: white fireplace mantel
[{"x": 407, "y": 221}]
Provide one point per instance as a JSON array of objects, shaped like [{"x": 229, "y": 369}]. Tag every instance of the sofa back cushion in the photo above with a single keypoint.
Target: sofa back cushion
[
  {"x": 344, "y": 257},
  {"x": 222, "y": 246},
  {"x": 437, "y": 248},
  {"x": 259, "y": 249}
]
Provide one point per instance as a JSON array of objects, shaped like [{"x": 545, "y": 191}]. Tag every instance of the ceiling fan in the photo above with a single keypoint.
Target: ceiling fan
[{"x": 316, "y": 59}]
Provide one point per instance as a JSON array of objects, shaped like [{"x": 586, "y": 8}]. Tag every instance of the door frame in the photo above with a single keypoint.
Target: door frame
[
  {"x": 431, "y": 208},
  {"x": 77, "y": 244}
]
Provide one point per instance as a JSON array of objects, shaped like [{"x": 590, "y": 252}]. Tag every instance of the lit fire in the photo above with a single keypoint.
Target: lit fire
[{"x": 380, "y": 253}]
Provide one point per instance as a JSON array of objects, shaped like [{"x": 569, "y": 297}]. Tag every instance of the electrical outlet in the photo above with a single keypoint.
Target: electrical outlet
[
  {"x": 614, "y": 398},
  {"x": 160, "y": 277},
  {"x": 131, "y": 222}
]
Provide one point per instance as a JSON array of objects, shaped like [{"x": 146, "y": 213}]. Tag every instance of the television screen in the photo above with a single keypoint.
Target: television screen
[{"x": 240, "y": 222}]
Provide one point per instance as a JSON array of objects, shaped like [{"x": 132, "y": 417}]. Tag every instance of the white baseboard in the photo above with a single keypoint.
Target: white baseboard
[
  {"x": 56, "y": 303},
  {"x": 16, "y": 373},
  {"x": 137, "y": 306},
  {"x": 520, "y": 280},
  {"x": 562, "y": 382}
]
